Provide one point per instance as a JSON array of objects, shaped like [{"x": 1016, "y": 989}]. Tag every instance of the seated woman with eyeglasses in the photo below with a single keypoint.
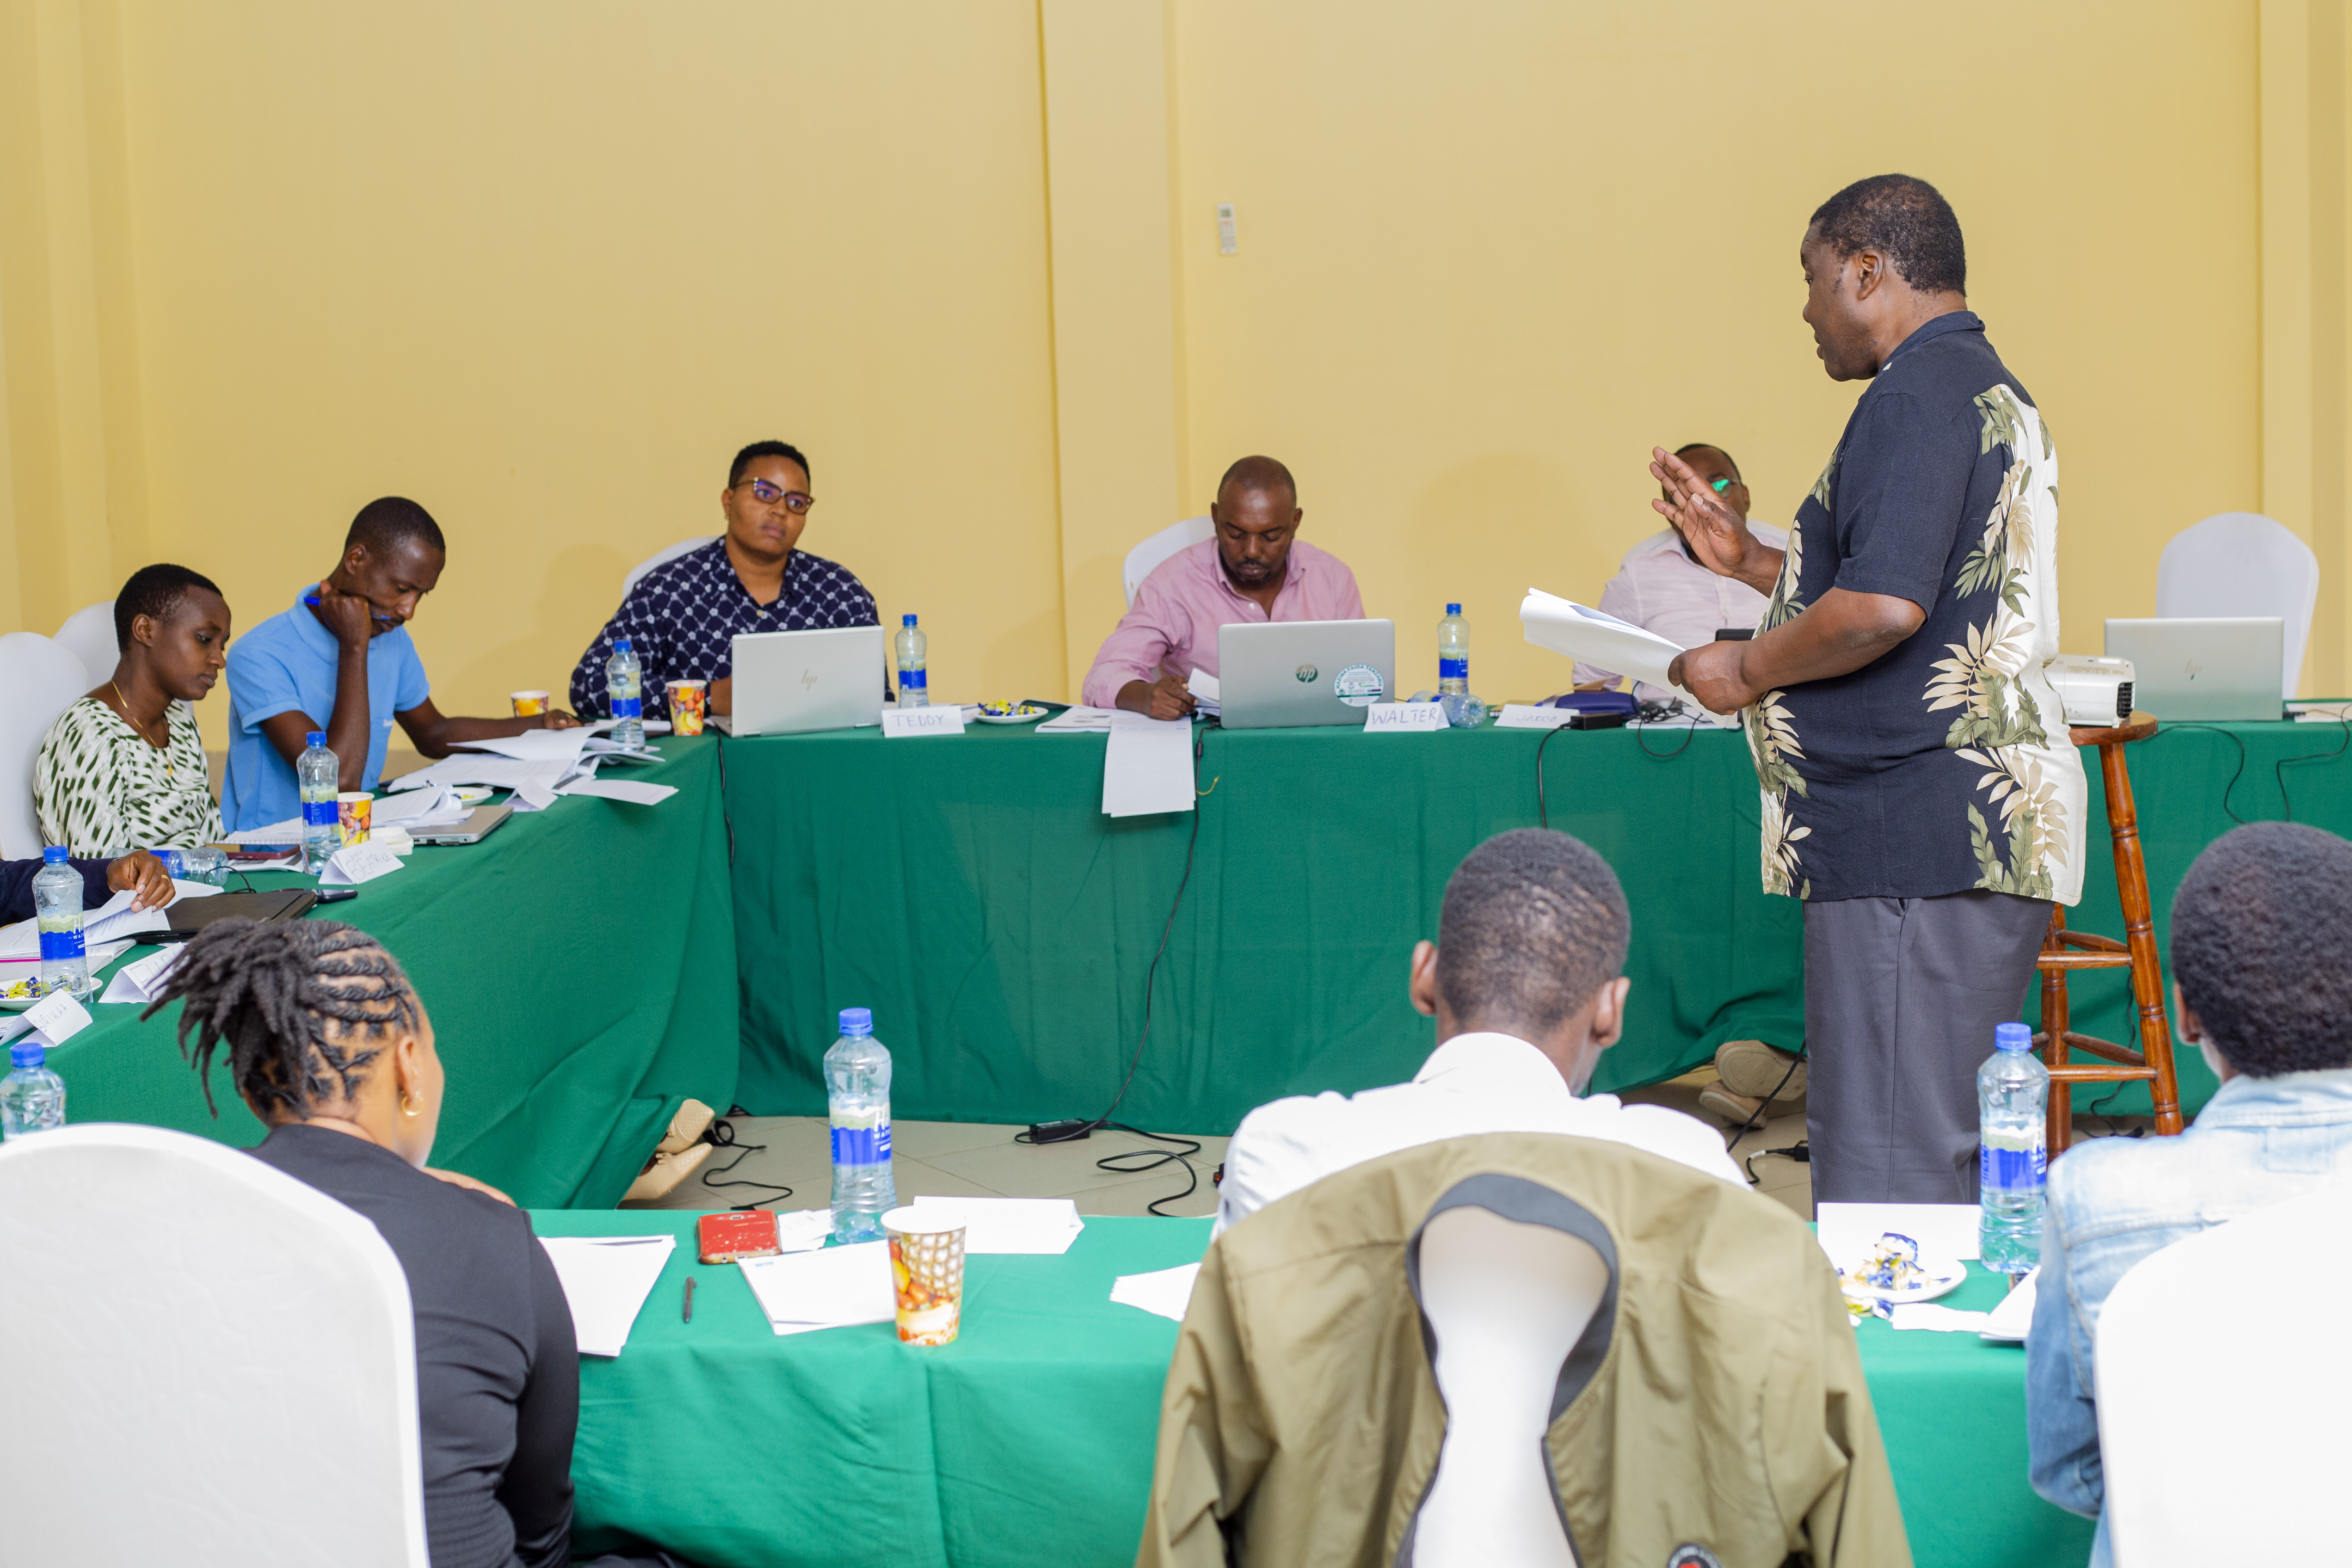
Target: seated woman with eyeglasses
[
  {"x": 682, "y": 616},
  {"x": 330, "y": 1047},
  {"x": 123, "y": 768}
]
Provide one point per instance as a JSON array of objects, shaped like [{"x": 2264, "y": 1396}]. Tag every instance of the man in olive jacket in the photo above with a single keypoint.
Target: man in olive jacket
[{"x": 1713, "y": 1412}]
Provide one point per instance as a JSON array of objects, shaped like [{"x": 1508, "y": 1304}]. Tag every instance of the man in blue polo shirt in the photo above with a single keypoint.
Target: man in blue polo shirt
[{"x": 341, "y": 661}]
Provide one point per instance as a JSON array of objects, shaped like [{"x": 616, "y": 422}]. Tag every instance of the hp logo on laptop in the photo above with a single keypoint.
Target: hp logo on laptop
[{"x": 1306, "y": 673}]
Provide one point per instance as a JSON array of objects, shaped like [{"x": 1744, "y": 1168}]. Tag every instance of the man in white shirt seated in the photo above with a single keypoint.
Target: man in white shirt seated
[
  {"x": 1660, "y": 587},
  {"x": 1525, "y": 983}
]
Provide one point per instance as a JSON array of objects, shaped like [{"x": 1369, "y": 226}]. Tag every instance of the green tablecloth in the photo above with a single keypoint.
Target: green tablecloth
[
  {"x": 579, "y": 967},
  {"x": 1030, "y": 1439},
  {"x": 971, "y": 891}
]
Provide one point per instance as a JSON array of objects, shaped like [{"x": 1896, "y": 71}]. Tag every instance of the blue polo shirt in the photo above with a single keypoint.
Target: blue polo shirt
[{"x": 286, "y": 664}]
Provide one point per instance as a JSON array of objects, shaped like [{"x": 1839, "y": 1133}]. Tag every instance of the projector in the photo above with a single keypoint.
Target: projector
[{"x": 2092, "y": 690}]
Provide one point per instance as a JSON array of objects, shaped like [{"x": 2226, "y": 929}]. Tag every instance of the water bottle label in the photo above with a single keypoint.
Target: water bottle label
[
  {"x": 57, "y": 946},
  {"x": 628, "y": 707},
  {"x": 861, "y": 1145},
  {"x": 912, "y": 680},
  {"x": 1454, "y": 669},
  {"x": 319, "y": 813},
  {"x": 2014, "y": 1170}
]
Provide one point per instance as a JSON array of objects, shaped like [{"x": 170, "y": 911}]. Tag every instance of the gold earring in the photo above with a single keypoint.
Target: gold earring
[{"x": 407, "y": 1104}]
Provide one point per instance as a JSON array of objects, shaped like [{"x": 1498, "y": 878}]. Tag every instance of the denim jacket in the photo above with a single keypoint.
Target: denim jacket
[{"x": 2113, "y": 1201}]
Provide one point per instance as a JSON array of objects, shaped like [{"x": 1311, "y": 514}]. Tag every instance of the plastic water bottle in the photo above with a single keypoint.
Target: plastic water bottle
[
  {"x": 56, "y": 902},
  {"x": 857, "y": 1090},
  {"x": 2012, "y": 1089},
  {"x": 912, "y": 649},
  {"x": 318, "y": 773},
  {"x": 32, "y": 1098},
  {"x": 1462, "y": 711},
  {"x": 624, "y": 687}
]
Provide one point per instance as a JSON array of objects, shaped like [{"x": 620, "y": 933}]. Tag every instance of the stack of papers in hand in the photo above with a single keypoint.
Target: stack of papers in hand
[
  {"x": 838, "y": 1287},
  {"x": 1167, "y": 1292},
  {"x": 113, "y": 925},
  {"x": 1035, "y": 1226},
  {"x": 606, "y": 1279},
  {"x": 1207, "y": 699},
  {"x": 1601, "y": 640},
  {"x": 1077, "y": 721}
]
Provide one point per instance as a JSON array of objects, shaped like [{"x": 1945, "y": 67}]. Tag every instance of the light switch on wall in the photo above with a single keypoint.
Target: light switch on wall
[{"x": 1228, "y": 238}]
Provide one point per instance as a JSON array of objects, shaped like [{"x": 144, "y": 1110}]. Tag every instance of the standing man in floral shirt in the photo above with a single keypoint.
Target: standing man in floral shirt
[
  {"x": 1921, "y": 793},
  {"x": 681, "y": 617}
]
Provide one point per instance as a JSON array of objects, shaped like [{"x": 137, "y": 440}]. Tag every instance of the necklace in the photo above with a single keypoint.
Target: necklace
[{"x": 164, "y": 746}]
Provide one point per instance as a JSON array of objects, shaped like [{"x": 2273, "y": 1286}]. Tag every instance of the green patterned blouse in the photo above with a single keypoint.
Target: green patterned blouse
[{"x": 101, "y": 788}]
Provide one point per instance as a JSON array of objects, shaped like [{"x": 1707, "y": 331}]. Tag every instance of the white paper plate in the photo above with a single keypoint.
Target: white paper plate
[{"x": 1029, "y": 712}]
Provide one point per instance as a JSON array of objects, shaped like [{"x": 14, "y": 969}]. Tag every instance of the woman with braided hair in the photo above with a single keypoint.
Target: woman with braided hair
[{"x": 330, "y": 1047}]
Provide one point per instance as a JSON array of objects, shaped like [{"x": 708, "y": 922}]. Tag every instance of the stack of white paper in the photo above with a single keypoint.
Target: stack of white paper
[
  {"x": 113, "y": 925},
  {"x": 288, "y": 832},
  {"x": 1581, "y": 632},
  {"x": 1208, "y": 700},
  {"x": 838, "y": 1287},
  {"x": 436, "y": 805},
  {"x": 1036, "y": 1226},
  {"x": 1148, "y": 766},
  {"x": 1167, "y": 1292},
  {"x": 1080, "y": 720},
  {"x": 606, "y": 1279},
  {"x": 532, "y": 745},
  {"x": 497, "y": 772}
]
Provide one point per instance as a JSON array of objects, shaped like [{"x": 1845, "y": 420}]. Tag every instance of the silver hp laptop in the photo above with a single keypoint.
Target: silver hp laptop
[
  {"x": 789, "y": 683},
  {"x": 1285, "y": 674},
  {"x": 2197, "y": 667}
]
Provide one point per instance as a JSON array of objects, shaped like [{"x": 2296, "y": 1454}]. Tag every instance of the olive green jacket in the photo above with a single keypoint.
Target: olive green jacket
[{"x": 1716, "y": 1400}]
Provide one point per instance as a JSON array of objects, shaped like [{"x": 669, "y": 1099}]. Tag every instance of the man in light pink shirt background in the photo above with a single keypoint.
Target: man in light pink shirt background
[
  {"x": 1660, "y": 587},
  {"x": 1254, "y": 570}
]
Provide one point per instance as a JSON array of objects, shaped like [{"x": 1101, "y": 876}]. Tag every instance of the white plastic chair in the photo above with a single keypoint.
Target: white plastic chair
[
  {"x": 40, "y": 679},
  {"x": 208, "y": 1362},
  {"x": 1159, "y": 547},
  {"x": 2221, "y": 1398},
  {"x": 1507, "y": 1302},
  {"x": 89, "y": 635},
  {"x": 660, "y": 557},
  {"x": 2242, "y": 563}
]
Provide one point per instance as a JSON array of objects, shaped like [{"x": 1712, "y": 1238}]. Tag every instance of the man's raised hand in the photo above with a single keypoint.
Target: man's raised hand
[{"x": 1716, "y": 535}]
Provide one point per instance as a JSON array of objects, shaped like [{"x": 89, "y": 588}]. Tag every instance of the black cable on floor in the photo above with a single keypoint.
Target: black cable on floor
[
  {"x": 720, "y": 1135},
  {"x": 1761, "y": 1106},
  {"x": 1153, "y": 1159}
]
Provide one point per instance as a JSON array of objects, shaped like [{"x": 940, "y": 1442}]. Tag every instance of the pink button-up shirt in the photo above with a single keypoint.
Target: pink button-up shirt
[
  {"x": 1660, "y": 588},
  {"x": 1173, "y": 624}
]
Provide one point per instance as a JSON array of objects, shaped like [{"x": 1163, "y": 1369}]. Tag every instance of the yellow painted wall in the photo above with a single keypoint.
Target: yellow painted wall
[{"x": 543, "y": 266}]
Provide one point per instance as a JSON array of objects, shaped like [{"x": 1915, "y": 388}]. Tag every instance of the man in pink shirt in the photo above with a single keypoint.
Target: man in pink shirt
[
  {"x": 1660, "y": 587},
  {"x": 1254, "y": 568}
]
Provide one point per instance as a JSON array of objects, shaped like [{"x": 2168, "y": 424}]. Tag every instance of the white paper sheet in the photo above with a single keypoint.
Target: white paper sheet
[
  {"x": 532, "y": 745},
  {"x": 1532, "y": 716},
  {"x": 141, "y": 981},
  {"x": 838, "y": 1287},
  {"x": 1935, "y": 1315},
  {"x": 1943, "y": 1230},
  {"x": 1148, "y": 766},
  {"x": 1038, "y": 1226},
  {"x": 1208, "y": 701},
  {"x": 1581, "y": 632},
  {"x": 1079, "y": 720},
  {"x": 606, "y": 1279},
  {"x": 497, "y": 772},
  {"x": 2008, "y": 1321},
  {"x": 1167, "y": 1292},
  {"x": 356, "y": 863},
  {"x": 434, "y": 807},
  {"x": 627, "y": 789},
  {"x": 802, "y": 1229}
]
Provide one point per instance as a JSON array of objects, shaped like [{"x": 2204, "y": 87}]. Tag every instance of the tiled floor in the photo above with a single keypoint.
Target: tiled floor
[{"x": 954, "y": 1159}]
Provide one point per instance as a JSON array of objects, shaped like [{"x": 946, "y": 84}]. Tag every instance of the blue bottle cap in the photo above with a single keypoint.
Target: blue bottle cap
[
  {"x": 857, "y": 1020},
  {"x": 908, "y": 621},
  {"x": 53, "y": 854},
  {"x": 315, "y": 738},
  {"x": 2011, "y": 1037},
  {"x": 620, "y": 645},
  {"x": 1453, "y": 609},
  {"x": 28, "y": 1053}
]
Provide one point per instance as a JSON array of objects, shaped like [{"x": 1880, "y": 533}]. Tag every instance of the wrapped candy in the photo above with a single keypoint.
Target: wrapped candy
[{"x": 1890, "y": 1264}]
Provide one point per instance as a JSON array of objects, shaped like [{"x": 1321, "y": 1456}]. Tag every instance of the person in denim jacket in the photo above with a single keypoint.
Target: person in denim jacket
[{"x": 2262, "y": 963}]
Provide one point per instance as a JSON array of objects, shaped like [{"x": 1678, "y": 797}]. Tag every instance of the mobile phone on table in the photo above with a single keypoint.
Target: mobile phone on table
[{"x": 338, "y": 895}]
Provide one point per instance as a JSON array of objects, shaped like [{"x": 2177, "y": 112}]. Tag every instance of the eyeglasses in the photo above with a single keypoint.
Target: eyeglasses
[{"x": 793, "y": 500}]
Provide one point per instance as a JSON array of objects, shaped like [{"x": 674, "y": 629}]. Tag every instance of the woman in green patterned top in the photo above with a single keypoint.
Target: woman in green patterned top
[{"x": 123, "y": 768}]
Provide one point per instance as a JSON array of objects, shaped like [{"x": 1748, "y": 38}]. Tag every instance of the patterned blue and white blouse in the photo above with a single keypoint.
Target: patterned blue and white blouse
[{"x": 682, "y": 616}]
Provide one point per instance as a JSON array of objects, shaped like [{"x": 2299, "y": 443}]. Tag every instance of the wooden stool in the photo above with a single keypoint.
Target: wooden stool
[{"x": 2063, "y": 950}]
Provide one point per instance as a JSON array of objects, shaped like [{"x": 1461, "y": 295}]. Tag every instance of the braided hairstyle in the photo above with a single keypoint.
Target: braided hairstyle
[{"x": 276, "y": 992}]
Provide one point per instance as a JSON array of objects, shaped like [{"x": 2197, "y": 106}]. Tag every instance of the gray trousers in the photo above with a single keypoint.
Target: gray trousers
[{"x": 1901, "y": 997}]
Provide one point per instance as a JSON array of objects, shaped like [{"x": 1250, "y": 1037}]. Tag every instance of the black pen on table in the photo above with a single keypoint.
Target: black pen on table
[{"x": 688, "y": 1316}]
